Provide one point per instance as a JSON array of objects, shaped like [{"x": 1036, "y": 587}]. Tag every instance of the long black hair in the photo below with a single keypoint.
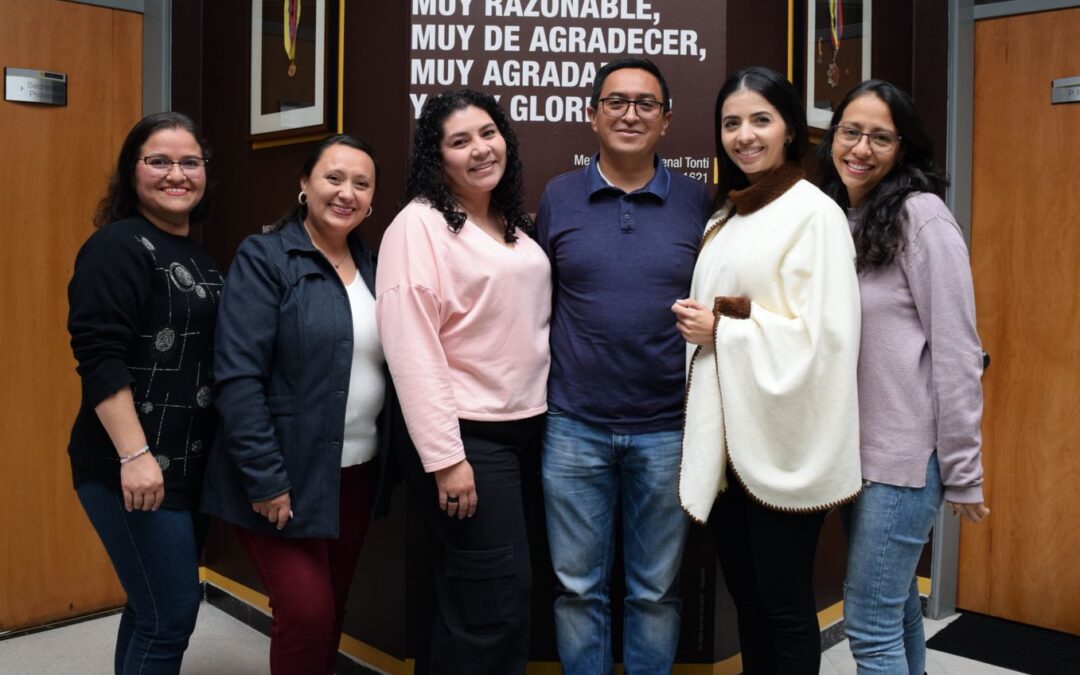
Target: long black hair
[
  {"x": 880, "y": 234},
  {"x": 781, "y": 94},
  {"x": 299, "y": 211},
  {"x": 121, "y": 200},
  {"x": 427, "y": 180}
]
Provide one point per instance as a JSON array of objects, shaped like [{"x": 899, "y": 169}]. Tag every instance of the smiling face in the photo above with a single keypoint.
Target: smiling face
[
  {"x": 339, "y": 190},
  {"x": 862, "y": 166},
  {"x": 473, "y": 152},
  {"x": 629, "y": 136},
  {"x": 753, "y": 133},
  {"x": 167, "y": 199}
]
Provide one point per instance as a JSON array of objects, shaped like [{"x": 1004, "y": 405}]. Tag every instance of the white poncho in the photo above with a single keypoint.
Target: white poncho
[{"x": 775, "y": 394}]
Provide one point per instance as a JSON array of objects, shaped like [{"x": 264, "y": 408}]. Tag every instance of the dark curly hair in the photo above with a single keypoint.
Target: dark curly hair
[
  {"x": 427, "y": 180},
  {"x": 880, "y": 235},
  {"x": 299, "y": 211},
  {"x": 121, "y": 200},
  {"x": 782, "y": 95}
]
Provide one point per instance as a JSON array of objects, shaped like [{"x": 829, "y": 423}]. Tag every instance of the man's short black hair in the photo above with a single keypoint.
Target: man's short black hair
[{"x": 643, "y": 64}]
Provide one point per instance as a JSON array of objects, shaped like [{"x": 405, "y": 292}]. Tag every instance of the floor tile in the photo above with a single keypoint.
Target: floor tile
[{"x": 220, "y": 644}]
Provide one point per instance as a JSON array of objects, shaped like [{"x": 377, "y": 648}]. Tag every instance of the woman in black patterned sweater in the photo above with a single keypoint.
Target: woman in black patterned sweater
[{"x": 143, "y": 300}]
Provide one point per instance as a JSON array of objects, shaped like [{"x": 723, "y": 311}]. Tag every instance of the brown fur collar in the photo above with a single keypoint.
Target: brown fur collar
[{"x": 769, "y": 187}]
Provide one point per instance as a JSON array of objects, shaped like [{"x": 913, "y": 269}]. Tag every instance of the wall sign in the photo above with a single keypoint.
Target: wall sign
[
  {"x": 26, "y": 85},
  {"x": 1065, "y": 90},
  {"x": 539, "y": 59}
]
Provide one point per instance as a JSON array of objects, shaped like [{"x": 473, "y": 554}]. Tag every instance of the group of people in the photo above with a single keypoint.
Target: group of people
[{"x": 820, "y": 352}]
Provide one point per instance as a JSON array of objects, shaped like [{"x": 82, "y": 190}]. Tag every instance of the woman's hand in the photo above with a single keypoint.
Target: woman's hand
[
  {"x": 695, "y": 321},
  {"x": 278, "y": 510},
  {"x": 142, "y": 484},
  {"x": 973, "y": 512},
  {"x": 457, "y": 491}
]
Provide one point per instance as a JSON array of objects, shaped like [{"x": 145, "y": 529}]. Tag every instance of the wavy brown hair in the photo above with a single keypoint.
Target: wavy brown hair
[
  {"x": 427, "y": 180},
  {"x": 880, "y": 235}
]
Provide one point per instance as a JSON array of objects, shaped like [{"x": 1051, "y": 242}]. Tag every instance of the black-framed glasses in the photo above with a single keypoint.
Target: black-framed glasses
[
  {"x": 162, "y": 164},
  {"x": 616, "y": 106},
  {"x": 879, "y": 140}
]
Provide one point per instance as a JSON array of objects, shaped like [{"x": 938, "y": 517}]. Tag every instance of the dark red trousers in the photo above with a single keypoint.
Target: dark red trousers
[{"x": 308, "y": 580}]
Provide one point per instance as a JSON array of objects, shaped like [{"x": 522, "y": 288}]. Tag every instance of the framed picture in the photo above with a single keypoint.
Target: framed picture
[
  {"x": 837, "y": 54},
  {"x": 293, "y": 54}
]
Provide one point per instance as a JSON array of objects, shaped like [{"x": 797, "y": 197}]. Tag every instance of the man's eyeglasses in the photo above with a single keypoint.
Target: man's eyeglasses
[
  {"x": 162, "y": 164},
  {"x": 879, "y": 140},
  {"x": 615, "y": 106}
]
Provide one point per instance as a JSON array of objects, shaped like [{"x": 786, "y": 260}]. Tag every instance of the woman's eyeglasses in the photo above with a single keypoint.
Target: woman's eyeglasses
[
  {"x": 879, "y": 140},
  {"x": 162, "y": 164}
]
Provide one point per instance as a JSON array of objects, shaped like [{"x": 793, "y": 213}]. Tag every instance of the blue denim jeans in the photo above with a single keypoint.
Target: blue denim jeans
[
  {"x": 588, "y": 474},
  {"x": 155, "y": 554},
  {"x": 888, "y": 527}
]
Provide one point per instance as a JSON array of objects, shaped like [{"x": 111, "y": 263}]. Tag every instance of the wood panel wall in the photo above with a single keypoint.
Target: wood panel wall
[
  {"x": 56, "y": 161},
  {"x": 1021, "y": 564}
]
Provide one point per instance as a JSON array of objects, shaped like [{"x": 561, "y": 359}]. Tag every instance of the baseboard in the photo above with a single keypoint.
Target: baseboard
[
  {"x": 356, "y": 658},
  {"x": 256, "y": 618}
]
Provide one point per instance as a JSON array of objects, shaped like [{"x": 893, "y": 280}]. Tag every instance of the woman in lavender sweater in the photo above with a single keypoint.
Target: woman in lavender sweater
[{"x": 920, "y": 399}]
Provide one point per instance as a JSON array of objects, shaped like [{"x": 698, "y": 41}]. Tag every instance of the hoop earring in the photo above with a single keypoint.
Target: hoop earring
[
  {"x": 370, "y": 210},
  {"x": 301, "y": 198}
]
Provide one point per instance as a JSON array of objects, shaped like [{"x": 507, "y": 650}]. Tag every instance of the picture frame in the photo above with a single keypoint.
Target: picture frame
[
  {"x": 290, "y": 90},
  {"x": 837, "y": 54}
]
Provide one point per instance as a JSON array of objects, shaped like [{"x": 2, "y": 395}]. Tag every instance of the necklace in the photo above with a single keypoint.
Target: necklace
[{"x": 337, "y": 265}]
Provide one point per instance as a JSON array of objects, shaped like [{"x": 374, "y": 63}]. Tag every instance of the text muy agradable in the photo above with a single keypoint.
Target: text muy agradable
[{"x": 503, "y": 46}]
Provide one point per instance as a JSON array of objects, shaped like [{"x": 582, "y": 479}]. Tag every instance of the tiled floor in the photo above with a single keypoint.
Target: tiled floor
[
  {"x": 838, "y": 661},
  {"x": 222, "y": 645}
]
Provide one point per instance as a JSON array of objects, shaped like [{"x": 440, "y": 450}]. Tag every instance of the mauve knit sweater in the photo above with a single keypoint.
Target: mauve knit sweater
[{"x": 920, "y": 361}]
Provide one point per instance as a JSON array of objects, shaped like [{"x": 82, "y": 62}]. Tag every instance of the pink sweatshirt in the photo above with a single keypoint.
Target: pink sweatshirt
[{"x": 463, "y": 321}]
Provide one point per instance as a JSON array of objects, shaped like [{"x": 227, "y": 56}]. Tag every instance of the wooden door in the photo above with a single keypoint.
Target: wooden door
[
  {"x": 1024, "y": 562},
  {"x": 53, "y": 172}
]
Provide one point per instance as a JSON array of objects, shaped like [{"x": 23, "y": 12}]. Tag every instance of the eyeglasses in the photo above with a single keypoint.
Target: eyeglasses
[
  {"x": 879, "y": 140},
  {"x": 647, "y": 108},
  {"x": 161, "y": 164}
]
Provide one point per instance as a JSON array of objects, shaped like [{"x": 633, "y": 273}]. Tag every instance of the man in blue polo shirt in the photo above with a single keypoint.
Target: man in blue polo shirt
[{"x": 622, "y": 235}]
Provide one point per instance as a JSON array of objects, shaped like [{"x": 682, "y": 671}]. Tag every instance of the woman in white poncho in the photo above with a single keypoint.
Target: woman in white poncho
[{"x": 771, "y": 439}]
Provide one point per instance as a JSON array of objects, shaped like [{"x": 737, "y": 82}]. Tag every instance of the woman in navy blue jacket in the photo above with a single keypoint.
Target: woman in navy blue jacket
[{"x": 301, "y": 388}]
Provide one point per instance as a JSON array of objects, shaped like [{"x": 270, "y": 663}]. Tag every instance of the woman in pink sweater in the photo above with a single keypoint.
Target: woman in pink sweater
[
  {"x": 463, "y": 306},
  {"x": 920, "y": 360}
]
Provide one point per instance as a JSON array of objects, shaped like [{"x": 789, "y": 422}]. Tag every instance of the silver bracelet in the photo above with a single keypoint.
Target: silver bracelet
[{"x": 124, "y": 459}]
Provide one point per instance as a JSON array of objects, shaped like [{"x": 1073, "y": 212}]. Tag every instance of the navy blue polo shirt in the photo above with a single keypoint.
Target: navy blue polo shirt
[{"x": 619, "y": 260}]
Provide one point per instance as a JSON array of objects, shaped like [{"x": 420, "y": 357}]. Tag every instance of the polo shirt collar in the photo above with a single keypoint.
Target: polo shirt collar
[{"x": 659, "y": 185}]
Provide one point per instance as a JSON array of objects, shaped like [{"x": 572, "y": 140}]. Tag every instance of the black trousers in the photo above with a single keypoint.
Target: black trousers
[
  {"x": 481, "y": 569},
  {"x": 767, "y": 558}
]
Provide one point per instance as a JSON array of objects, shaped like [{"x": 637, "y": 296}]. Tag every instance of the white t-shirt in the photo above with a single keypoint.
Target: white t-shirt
[{"x": 366, "y": 382}]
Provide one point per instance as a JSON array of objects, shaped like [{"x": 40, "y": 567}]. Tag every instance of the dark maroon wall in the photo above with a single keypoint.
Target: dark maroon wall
[{"x": 210, "y": 83}]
